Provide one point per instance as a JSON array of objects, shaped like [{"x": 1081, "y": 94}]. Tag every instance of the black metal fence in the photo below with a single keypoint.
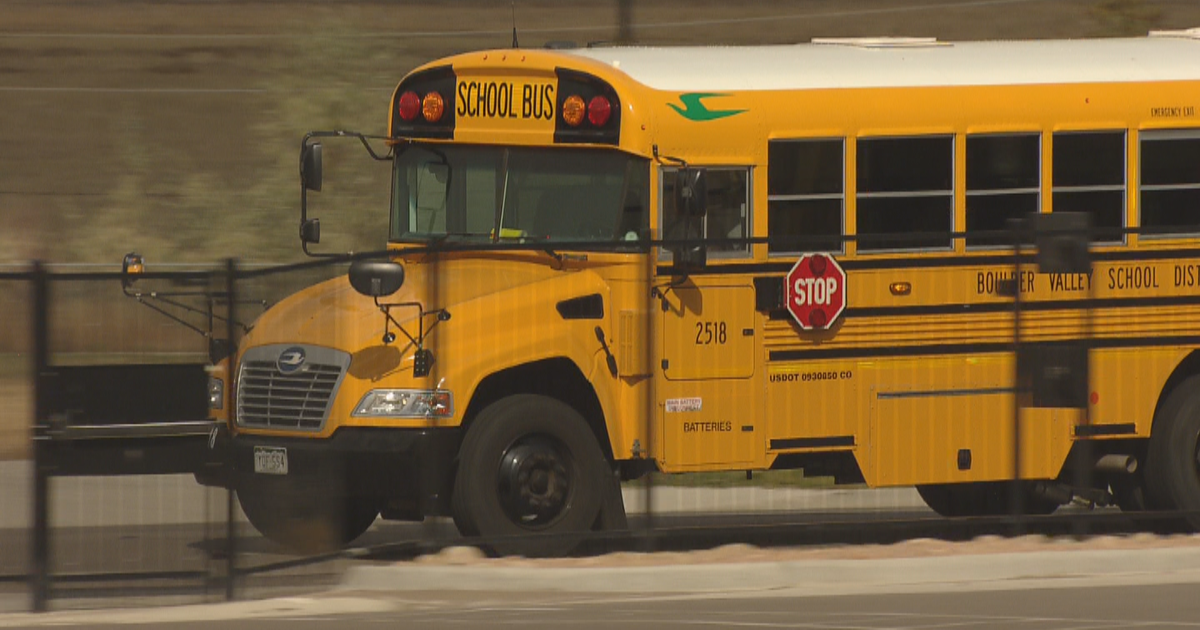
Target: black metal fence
[{"x": 107, "y": 429}]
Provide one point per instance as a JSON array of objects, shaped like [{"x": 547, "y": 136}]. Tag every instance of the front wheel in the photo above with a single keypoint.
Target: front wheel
[
  {"x": 307, "y": 521},
  {"x": 531, "y": 477}
]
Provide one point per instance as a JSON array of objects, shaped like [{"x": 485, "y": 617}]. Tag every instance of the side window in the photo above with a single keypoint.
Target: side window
[
  {"x": 728, "y": 216},
  {"x": 429, "y": 197},
  {"x": 1003, "y": 182},
  {"x": 806, "y": 195},
  {"x": 1169, "y": 190},
  {"x": 1089, "y": 176},
  {"x": 905, "y": 193}
]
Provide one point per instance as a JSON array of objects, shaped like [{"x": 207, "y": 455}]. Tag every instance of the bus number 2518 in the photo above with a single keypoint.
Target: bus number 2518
[{"x": 708, "y": 333}]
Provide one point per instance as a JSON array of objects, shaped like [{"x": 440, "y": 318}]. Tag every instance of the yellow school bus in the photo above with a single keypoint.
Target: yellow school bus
[{"x": 608, "y": 261}]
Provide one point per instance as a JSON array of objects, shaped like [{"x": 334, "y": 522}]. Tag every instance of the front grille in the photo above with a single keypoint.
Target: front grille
[{"x": 301, "y": 400}]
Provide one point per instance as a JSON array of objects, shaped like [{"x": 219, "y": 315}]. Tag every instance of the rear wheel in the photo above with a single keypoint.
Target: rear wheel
[
  {"x": 531, "y": 477},
  {"x": 1173, "y": 461},
  {"x": 307, "y": 521},
  {"x": 988, "y": 498}
]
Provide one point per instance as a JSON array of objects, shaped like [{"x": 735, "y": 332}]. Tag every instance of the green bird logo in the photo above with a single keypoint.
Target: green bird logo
[{"x": 693, "y": 109}]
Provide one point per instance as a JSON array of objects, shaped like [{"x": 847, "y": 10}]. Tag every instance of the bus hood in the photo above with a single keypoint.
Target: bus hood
[{"x": 334, "y": 315}]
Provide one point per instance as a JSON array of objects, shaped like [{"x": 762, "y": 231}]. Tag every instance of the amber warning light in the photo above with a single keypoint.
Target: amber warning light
[
  {"x": 431, "y": 107},
  {"x": 597, "y": 111}
]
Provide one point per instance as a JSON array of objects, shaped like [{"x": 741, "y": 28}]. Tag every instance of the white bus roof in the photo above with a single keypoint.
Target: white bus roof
[{"x": 908, "y": 62}]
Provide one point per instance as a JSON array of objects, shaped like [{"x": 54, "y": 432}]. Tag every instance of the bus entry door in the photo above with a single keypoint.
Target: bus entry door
[{"x": 706, "y": 403}]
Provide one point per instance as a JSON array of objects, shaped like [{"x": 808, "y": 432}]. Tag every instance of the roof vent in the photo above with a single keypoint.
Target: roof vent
[
  {"x": 1189, "y": 33},
  {"x": 879, "y": 42}
]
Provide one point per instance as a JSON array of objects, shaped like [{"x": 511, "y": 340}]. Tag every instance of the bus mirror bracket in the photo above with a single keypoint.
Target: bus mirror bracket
[
  {"x": 311, "y": 178},
  {"x": 376, "y": 279}
]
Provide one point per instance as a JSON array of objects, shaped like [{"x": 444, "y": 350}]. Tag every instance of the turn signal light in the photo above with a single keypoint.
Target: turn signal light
[
  {"x": 573, "y": 110},
  {"x": 408, "y": 106},
  {"x": 599, "y": 110},
  {"x": 432, "y": 107}
]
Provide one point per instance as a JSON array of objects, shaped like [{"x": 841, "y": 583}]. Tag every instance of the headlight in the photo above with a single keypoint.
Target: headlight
[
  {"x": 405, "y": 403},
  {"x": 216, "y": 393}
]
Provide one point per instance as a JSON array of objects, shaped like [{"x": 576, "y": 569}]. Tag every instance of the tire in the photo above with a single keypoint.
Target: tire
[
  {"x": 990, "y": 498},
  {"x": 1173, "y": 460},
  {"x": 531, "y": 477},
  {"x": 306, "y": 521}
]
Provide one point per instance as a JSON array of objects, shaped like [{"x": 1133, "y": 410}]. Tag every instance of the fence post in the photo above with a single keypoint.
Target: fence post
[
  {"x": 650, "y": 408},
  {"x": 231, "y": 361},
  {"x": 1017, "y": 490},
  {"x": 40, "y": 573}
]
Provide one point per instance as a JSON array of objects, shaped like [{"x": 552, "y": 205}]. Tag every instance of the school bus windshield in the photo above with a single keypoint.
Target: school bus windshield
[{"x": 537, "y": 194}]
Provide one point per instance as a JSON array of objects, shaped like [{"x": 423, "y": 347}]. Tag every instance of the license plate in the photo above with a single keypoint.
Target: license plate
[{"x": 270, "y": 460}]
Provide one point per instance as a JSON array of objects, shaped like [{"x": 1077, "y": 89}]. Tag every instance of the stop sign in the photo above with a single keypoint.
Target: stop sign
[{"x": 816, "y": 291}]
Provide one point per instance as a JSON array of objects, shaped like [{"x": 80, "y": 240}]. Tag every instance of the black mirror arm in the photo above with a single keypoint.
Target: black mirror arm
[
  {"x": 668, "y": 159},
  {"x": 304, "y": 247},
  {"x": 337, "y": 133},
  {"x": 418, "y": 341},
  {"x": 142, "y": 299},
  {"x": 365, "y": 139}
]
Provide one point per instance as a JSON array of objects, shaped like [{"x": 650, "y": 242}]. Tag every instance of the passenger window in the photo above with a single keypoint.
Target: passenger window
[
  {"x": 726, "y": 223},
  {"x": 1169, "y": 190},
  {"x": 1089, "y": 176},
  {"x": 1003, "y": 183},
  {"x": 806, "y": 197},
  {"x": 905, "y": 193}
]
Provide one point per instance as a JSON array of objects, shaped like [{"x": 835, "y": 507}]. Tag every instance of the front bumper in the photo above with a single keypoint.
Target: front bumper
[{"x": 410, "y": 471}]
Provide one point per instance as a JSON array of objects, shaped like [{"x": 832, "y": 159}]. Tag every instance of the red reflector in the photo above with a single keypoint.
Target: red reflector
[
  {"x": 599, "y": 110},
  {"x": 408, "y": 106}
]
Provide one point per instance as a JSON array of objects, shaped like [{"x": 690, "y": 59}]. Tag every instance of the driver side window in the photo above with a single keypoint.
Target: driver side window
[{"x": 726, "y": 222}]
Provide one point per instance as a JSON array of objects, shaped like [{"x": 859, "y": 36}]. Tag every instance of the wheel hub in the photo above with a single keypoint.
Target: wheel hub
[{"x": 534, "y": 484}]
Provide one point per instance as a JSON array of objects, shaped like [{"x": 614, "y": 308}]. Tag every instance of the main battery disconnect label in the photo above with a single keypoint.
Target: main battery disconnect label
[{"x": 679, "y": 405}]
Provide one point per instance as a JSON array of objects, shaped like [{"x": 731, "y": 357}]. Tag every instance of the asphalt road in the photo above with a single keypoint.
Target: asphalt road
[{"x": 1147, "y": 607}]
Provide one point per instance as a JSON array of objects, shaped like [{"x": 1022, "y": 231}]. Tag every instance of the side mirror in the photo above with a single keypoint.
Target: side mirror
[
  {"x": 310, "y": 167},
  {"x": 310, "y": 231},
  {"x": 131, "y": 268},
  {"x": 376, "y": 278},
  {"x": 691, "y": 192}
]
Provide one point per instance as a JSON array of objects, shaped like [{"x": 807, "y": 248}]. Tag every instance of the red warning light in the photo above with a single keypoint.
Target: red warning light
[
  {"x": 599, "y": 110},
  {"x": 408, "y": 106}
]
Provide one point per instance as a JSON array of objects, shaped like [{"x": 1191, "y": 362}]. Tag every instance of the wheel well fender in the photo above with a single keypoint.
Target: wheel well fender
[
  {"x": 557, "y": 378},
  {"x": 1189, "y": 366}
]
